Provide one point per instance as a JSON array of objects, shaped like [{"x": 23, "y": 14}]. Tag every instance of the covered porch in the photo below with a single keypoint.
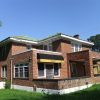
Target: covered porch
[
  {"x": 79, "y": 64},
  {"x": 49, "y": 64},
  {"x": 77, "y": 69},
  {"x": 96, "y": 63}
]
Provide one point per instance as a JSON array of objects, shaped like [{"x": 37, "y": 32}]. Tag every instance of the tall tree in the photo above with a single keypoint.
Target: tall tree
[{"x": 96, "y": 40}]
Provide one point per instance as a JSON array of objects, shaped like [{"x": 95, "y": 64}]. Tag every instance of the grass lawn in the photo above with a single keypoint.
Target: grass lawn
[{"x": 92, "y": 93}]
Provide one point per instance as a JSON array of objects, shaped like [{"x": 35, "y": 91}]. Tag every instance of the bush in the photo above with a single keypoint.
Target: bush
[{"x": 7, "y": 84}]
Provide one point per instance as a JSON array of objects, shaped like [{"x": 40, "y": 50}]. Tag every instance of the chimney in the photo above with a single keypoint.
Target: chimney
[{"x": 76, "y": 36}]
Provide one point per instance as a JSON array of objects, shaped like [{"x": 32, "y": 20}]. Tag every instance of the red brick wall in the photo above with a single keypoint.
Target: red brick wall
[
  {"x": 24, "y": 57},
  {"x": 85, "y": 56}
]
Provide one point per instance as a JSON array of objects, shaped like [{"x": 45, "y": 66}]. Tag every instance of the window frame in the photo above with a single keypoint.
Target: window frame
[
  {"x": 48, "y": 45},
  {"x": 76, "y": 47},
  {"x": 4, "y": 72},
  {"x": 53, "y": 71},
  {"x": 23, "y": 70}
]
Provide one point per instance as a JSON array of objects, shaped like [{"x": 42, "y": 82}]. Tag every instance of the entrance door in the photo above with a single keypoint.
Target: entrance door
[{"x": 49, "y": 71}]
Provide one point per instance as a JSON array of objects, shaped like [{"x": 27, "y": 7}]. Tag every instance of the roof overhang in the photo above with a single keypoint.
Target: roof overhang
[
  {"x": 10, "y": 39},
  {"x": 65, "y": 37},
  {"x": 77, "y": 40},
  {"x": 23, "y": 41}
]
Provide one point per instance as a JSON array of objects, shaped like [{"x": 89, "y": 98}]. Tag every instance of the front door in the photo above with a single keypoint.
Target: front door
[{"x": 49, "y": 71}]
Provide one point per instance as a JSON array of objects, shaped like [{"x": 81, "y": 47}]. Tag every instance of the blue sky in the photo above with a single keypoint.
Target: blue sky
[{"x": 42, "y": 18}]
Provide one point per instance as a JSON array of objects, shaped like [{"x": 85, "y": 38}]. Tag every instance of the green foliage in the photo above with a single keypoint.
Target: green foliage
[
  {"x": 96, "y": 40},
  {"x": 7, "y": 84}
]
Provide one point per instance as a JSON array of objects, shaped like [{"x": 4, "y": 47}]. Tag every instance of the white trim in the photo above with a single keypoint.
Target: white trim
[
  {"x": 57, "y": 37},
  {"x": 55, "y": 76},
  {"x": 25, "y": 41},
  {"x": 4, "y": 72},
  {"x": 23, "y": 67},
  {"x": 73, "y": 46},
  {"x": 77, "y": 40},
  {"x": 62, "y": 91},
  {"x": 19, "y": 87},
  {"x": 51, "y": 91},
  {"x": 2, "y": 85},
  {"x": 46, "y": 52}
]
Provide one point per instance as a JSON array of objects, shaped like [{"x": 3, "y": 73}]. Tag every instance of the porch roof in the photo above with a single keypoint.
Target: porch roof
[{"x": 50, "y": 58}]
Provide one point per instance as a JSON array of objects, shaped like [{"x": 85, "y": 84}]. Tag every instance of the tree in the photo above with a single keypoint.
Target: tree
[{"x": 96, "y": 40}]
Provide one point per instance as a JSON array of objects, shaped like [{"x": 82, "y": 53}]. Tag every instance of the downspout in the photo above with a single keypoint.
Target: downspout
[{"x": 11, "y": 64}]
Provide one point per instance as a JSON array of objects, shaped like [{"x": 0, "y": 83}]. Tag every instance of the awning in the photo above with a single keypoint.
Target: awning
[{"x": 50, "y": 58}]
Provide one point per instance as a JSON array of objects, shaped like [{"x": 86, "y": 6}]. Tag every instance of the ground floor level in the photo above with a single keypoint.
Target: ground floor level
[
  {"x": 57, "y": 86},
  {"x": 51, "y": 72}
]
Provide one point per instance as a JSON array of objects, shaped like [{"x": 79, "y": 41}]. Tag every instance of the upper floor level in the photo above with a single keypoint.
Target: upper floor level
[{"x": 57, "y": 43}]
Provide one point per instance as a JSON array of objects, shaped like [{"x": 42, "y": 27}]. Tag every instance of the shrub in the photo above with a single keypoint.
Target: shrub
[{"x": 7, "y": 84}]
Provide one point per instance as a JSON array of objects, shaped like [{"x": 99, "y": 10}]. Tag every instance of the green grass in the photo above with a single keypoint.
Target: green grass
[{"x": 92, "y": 93}]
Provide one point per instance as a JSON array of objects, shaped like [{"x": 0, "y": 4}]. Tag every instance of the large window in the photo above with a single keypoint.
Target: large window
[
  {"x": 76, "y": 47},
  {"x": 4, "y": 71},
  {"x": 46, "y": 70},
  {"x": 21, "y": 70}
]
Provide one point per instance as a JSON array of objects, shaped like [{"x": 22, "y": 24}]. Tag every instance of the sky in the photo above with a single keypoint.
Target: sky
[{"x": 42, "y": 18}]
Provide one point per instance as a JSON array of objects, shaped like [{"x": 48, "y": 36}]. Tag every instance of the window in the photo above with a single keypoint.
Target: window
[
  {"x": 56, "y": 69},
  {"x": 46, "y": 70},
  {"x": 47, "y": 46},
  {"x": 4, "y": 72},
  {"x": 96, "y": 69},
  {"x": 21, "y": 70},
  {"x": 50, "y": 46},
  {"x": 76, "y": 47},
  {"x": 40, "y": 69},
  {"x": 29, "y": 47}
]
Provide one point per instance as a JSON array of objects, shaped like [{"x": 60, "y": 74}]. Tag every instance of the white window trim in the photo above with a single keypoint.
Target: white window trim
[
  {"x": 19, "y": 71},
  {"x": 5, "y": 72},
  {"x": 48, "y": 44},
  {"x": 44, "y": 73},
  {"x": 74, "y": 46},
  {"x": 53, "y": 71}
]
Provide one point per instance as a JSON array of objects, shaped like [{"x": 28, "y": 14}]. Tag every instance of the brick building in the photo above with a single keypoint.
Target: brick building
[{"x": 57, "y": 64}]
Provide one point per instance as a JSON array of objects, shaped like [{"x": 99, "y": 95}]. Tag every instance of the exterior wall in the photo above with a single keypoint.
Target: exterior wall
[
  {"x": 82, "y": 56},
  {"x": 65, "y": 48},
  {"x": 24, "y": 57},
  {"x": 95, "y": 54},
  {"x": 17, "y": 48},
  {"x": 85, "y": 47},
  {"x": 65, "y": 84},
  {"x": 46, "y": 83},
  {"x": 6, "y": 62}
]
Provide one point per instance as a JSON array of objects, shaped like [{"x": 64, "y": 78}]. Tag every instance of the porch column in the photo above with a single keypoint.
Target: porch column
[
  {"x": 91, "y": 64},
  {"x": 35, "y": 65}
]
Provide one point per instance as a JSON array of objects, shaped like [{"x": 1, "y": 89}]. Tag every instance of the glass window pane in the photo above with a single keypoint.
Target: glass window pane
[
  {"x": 26, "y": 72},
  {"x": 40, "y": 69},
  {"x": 56, "y": 69},
  {"x": 21, "y": 72}
]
